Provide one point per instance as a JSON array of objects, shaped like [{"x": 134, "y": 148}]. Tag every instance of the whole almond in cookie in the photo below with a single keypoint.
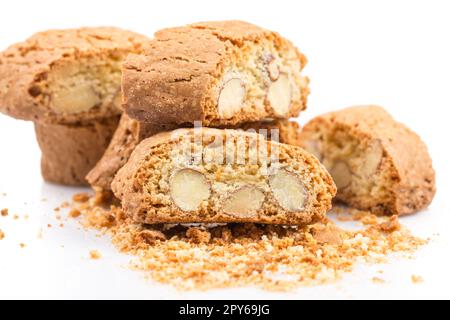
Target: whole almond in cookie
[
  {"x": 376, "y": 162},
  {"x": 219, "y": 72},
  {"x": 168, "y": 180}
]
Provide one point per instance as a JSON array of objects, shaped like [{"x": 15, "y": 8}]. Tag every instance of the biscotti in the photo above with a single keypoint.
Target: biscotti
[
  {"x": 377, "y": 163},
  {"x": 66, "y": 76},
  {"x": 69, "y": 152},
  {"x": 131, "y": 132},
  {"x": 220, "y": 73},
  {"x": 218, "y": 176},
  {"x": 127, "y": 136}
]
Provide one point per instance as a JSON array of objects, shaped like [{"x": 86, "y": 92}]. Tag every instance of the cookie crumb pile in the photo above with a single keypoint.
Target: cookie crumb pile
[{"x": 267, "y": 256}]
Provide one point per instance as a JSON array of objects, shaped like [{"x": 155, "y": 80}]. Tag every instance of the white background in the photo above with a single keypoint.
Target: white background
[{"x": 392, "y": 53}]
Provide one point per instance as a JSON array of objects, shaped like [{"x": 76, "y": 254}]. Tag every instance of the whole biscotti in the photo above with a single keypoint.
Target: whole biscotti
[
  {"x": 377, "y": 163},
  {"x": 131, "y": 132},
  {"x": 219, "y": 176},
  {"x": 66, "y": 76},
  {"x": 69, "y": 152},
  {"x": 220, "y": 73}
]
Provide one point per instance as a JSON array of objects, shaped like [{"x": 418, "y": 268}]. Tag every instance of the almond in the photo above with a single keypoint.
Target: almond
[{"x": 188, "y": 189}]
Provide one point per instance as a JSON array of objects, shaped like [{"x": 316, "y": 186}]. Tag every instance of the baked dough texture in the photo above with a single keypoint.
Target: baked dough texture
[
  {"x": 220, "y": 73},
  {"x": 131, "y": 132},
  {"x": 66, "y": 76},
  {"x": 209, "y": 175},
  {"x": 127, "y": 136},
  {"x": 69, "y": 152},
  {"x": 377, "y": 163}
]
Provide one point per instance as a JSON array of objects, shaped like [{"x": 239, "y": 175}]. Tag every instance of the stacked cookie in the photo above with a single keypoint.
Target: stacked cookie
[
  {"x": 229, "y": 78},
  {"x": 205, "y": 132},
  {"x": 68, "y": 83}
]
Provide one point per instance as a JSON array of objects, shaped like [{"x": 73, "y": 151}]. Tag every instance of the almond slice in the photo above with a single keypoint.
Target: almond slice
[
  {"x": 288, "y": 190},
  {"x": 244, "y": 202},
  {"x": 280, "y": 95},
  {"x": 76, "y": 99},
  {"x": 372, "y": 159},
  {"x": 341, "y": 174},
  {"x": 189, "y": 188},
  {"x": 273, "y": 69},
  {"x": 231, "y": 98}
]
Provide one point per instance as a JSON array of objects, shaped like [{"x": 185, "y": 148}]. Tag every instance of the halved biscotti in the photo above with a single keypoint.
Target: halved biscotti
[
  {"x": 66, "y": 76},
  {"x": 216, "y": 176},
  {"x": 69, "y": 152},
  {"x": 377, "y": 163},
  {"x": 220, "y": 73},
  {"x": 131, "y": 132}
]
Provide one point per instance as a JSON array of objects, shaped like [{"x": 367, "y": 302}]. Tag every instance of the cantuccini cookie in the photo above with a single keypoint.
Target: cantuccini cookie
[
  {"x": 220, "y": 73},
  {"x": 69, "y": 152},
  {"x": 66, "y": 76},
  {"x": 216, "y": 176},
  {"x": 377, "y": 163},
  {"x": 131, "y": 132},
  {"x": 127, "y": 136}
]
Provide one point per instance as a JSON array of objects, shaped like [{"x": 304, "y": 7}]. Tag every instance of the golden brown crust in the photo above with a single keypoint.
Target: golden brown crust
[
  {"x": 25, "y": 68},
  {"x": 175, "y": 80},
  {"x": 412, "y": 178},
  {"x": 129, "y": 183},
  {"x": 131, "y": 132},
  {"x": 288, "y": 131},
  {"x": 127, "y": 136},
  {"x": 69, "y": 152}
]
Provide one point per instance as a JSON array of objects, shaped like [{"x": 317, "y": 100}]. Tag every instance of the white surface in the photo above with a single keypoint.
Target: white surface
[{"x": 396, "y": 54}]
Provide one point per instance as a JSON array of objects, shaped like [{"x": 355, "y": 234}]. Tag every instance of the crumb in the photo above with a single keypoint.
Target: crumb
[
  {"x": 391, "y": 225},
  {"x": 44, "y": 199},
  {"x": 378, "y": 280},
  {"x": 16, "y": 216},
  {"x": 416, "y": 279},
  {"x": 102, "y": 197},
  {"x": 49, "y": 225},
  {"x": 271, "y": 257},
  {"x": 26, "y": 217},
  {"x": 95, "y": 254},
  {"x": 74, "y": 213},
  {"x": 81, "y": 197},
  {"x": 198, "y": 235},
  {"x": 326, "y": 234},
  {"x": 4, "y": 194},
  {"x": 61, "y": 225},
  {"x": 4, "y": 212},
  {"x": 2, "y": 234},
  {"x": 22, "y": 245},
  {"x": 57, "y": 209},
  {"x": 150, "y": 236},
  {"x": 64, "y": 205}
]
